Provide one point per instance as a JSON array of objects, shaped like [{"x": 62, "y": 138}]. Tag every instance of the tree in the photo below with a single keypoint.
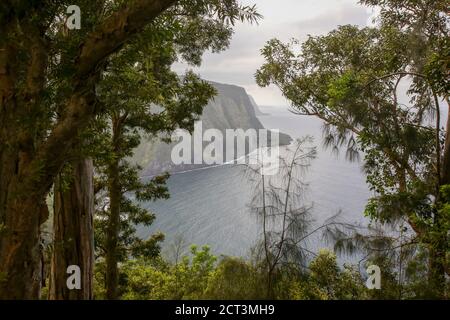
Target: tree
[
  {"x": 141, "y": 95},
  {"x": 147, "y": 279},
  {"x": 326, "y": 281},
  {"x": 278, "y": 203},
  {"x": 236, "y": 279},
  {"x": 34, "y": 149},
  {"x": 48, "y": 82},
  {"x": 73, "y": 226},
  {"x": 351, "y": 79},
  {"x": 115, "y": 223},
  {"x": 130, "y": 90},
  {"x": 138, "y": 91}
]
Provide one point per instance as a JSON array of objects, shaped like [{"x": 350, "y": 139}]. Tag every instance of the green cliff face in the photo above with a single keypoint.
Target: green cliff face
[{"x": 231, "y": 108}]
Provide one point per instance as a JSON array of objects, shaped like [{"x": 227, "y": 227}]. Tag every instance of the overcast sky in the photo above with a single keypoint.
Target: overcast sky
[{"x": 283, "y": 19}]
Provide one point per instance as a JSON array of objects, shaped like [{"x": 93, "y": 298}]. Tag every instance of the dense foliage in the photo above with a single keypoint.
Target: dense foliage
[
  {"x": 352, "y": 78},
  {"x": 201, "y": 275}
]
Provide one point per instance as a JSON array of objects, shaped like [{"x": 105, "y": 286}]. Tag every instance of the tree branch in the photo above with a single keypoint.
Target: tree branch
[
  {"x": 106, "y": 39},
  {"x": 115, "y": 30}
]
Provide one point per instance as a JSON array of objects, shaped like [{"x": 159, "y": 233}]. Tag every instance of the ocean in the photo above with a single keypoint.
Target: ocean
[{"x": 211, "y": 206}]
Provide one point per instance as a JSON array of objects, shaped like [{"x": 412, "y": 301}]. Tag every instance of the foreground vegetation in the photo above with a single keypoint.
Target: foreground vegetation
[{"x": 202, "y": 275}]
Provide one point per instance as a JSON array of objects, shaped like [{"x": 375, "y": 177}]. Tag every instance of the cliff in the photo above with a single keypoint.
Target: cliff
[
  {"x": 231, "y": 108},
  {"x": 258, "y": 112}
]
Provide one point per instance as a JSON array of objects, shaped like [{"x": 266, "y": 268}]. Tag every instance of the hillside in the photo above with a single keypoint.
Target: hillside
[{"x": 231, "y": 108}]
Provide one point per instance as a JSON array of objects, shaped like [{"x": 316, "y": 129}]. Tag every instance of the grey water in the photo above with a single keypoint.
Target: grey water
[{"x": 212, "y": 206}]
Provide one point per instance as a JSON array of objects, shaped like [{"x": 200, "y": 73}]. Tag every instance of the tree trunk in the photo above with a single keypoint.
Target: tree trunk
[
  {"x": 439, "y": 246},
  {"x": 20, "y": 255},
  {"x": 445, "y": 174},
  {"x": 437, "y": 251},
  {"x": 73, "y": 232},
  {"x": 113, "y": 229},
  {"x": 21, "y": 214},
  {"x": 21, "y": 211}
]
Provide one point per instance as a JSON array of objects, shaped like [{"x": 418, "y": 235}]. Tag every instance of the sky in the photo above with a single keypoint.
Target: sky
[{"x": 283, "y": 19}]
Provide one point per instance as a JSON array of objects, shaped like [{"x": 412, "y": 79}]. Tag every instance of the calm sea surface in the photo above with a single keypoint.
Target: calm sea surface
[{"x": 211, "y": 206}]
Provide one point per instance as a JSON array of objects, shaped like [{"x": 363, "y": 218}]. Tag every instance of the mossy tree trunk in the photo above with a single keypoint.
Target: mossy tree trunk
[{"x": 73, "y": 242}]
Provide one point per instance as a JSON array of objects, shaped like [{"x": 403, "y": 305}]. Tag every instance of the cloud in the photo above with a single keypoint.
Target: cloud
[
  {"x": 283, "y": 19},
  {"x": 329, "y": 20}
]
